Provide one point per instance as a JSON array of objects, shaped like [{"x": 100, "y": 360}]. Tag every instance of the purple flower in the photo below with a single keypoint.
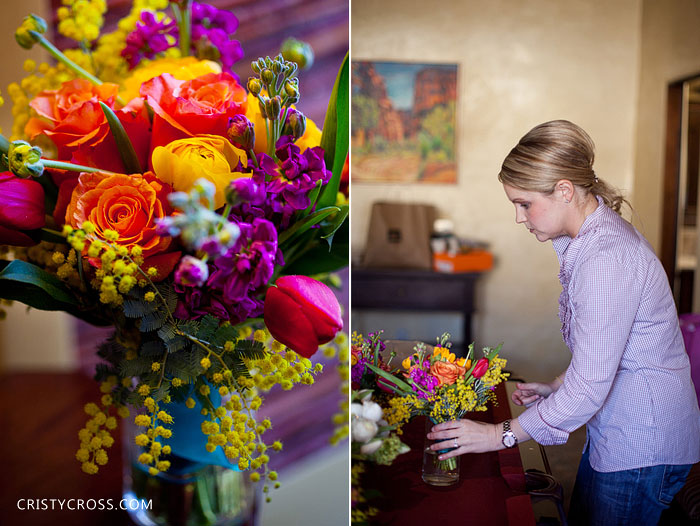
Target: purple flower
[
  {"x": 211, "y": 28},
  {"x": 358, "y": 370},
  {"x": 149, "y": 38},
  {"x": 247, "y": 265},
  {"x": 191, "y": 272},
  {"x": 241, "y": 132},
  {"x": 249, "y": 191},
  {"x": 425, "y": 380}
]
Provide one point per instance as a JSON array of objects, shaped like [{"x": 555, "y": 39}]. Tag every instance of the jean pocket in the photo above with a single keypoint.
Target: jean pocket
[{"x": 674, "y": 478}]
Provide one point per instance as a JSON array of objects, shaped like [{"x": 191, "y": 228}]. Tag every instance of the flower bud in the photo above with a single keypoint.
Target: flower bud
[
  {"x": 255, "y": 67},
  {"x": 298, "y": 52},
  {"x": 295, "y": 124},
  {"x": 22, "y": 204},
  {"x": 263, "y": 111},
  {"x": 480, "y": 368},
  {"x": 273, "y": 108},
  {"x": 302, "y": 313},
  {"x": 241, "y": 132},
  {"x": 254, "y": 86},
  {"x": 191, "y": 272},
  {"x": 291, "y": 90},
  {"x": 24, "y": 159},
  {"x": 267, "y": 76},
  {"x": 30, "y": 23}
]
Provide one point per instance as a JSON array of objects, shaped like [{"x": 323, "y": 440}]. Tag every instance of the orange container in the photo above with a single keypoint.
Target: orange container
[{"x": 472, "y": 261}]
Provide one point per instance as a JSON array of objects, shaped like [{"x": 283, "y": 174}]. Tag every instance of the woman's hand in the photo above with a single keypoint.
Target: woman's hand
[
  {"x": 469, "y": 437},
  {"x": 529, "y": 393}
]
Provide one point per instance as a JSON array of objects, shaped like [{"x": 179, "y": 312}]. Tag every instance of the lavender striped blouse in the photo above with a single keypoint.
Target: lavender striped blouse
[{"x": 629, "y": 376}]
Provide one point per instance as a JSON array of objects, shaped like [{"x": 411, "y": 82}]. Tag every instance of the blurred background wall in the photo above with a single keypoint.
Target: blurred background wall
[{"x": 603, "y": 65}]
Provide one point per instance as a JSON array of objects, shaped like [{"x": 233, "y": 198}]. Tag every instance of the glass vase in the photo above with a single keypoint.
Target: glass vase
[
  {"x": 438, "y": 472},
  {"x": 188, "y": 494}
]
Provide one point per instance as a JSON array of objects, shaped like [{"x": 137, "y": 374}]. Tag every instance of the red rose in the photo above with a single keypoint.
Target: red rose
[
  {"x": 193, "y": 107},
  {"x": 72, "y": 118},
  {"x": 302, "y": 313},
  {"x": 21, "y": 208}
]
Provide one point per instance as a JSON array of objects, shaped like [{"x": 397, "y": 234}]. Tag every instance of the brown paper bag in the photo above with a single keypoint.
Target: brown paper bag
[{"x": 399, "y": 236}]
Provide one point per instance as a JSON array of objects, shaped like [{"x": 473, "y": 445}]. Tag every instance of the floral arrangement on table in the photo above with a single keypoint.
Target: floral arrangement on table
[
  {"x": 145, "y": 188},
  {"x": 436, "y": 384}
]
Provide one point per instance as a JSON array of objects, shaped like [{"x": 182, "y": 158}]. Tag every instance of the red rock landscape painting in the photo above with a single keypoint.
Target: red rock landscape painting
[{"x": 403, "y": 122}]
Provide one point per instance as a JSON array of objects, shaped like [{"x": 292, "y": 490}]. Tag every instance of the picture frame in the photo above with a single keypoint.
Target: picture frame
[{"x": 404, "y": 123}]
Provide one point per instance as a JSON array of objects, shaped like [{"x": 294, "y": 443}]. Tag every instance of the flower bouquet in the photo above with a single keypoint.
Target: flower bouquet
[
  {"x": 442, "y": 387},
  {"x": 146, "y": 189},
  {"x": 373, "y": 440}
]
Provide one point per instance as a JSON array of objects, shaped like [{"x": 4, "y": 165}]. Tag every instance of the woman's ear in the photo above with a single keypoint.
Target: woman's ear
[{"x": 565, "y": 189}]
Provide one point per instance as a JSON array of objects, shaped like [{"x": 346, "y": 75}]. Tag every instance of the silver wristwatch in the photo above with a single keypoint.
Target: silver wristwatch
[{"x": 509, "y": 439}]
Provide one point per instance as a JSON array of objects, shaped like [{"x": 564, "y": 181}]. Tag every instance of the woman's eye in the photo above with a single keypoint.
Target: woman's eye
[{"x": 524, "y": 206}]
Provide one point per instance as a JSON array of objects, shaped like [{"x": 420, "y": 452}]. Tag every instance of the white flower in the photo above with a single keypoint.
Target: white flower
[
  {"x": 363, "y": 430},
  {"x": 371, "y": 411},
  {"x": 371, "y": 447},
  {"x": 356, "y": 410}
]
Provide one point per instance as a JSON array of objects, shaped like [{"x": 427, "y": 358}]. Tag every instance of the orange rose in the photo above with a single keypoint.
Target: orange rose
[
  {"x": 72, "y": 118},
  {"x": 127, "y": 204},
  {"x": 446, "y": 372},
  {"x": 199, "y": 106}
]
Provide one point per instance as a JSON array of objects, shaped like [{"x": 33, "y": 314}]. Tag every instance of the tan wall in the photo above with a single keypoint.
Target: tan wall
[
  {"x": 521, "y": 63},
  {"x": 35, "y": 339},
  {"x": 670, "y": 52}
]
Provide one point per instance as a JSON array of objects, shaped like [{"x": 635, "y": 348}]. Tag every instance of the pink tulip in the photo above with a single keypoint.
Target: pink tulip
[
  {"x": 302, "y": 313},
  {"x": 480, "y": 368},
  {"x": 21, "y": 208}
]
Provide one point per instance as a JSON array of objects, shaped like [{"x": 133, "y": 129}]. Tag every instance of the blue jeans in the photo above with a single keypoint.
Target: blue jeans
[{"x": 634, "y": 497}]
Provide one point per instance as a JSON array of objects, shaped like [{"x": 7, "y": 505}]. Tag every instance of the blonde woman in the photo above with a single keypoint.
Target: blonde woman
[{"x": 629, "y": 376}]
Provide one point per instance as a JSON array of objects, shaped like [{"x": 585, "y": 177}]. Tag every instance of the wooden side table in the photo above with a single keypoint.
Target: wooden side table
[{"x": 402, "y": 289}]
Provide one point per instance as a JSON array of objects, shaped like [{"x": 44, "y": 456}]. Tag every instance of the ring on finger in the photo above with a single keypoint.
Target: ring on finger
[{"x": 456, "y": 445}]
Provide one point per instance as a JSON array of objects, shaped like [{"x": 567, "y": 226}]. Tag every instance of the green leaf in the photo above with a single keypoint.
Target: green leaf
[
  {"x": 126, "y": 149},
  {"x": 136, "y": 308},
  {"x": 319, "y": 259},
  {"x": 336, "y": 133},
  {"x": 33, "y": 286},
  {"x": 334, "y": 224},
  {"x": 393, "y": 379},
  {"x": 152, "y": 321},
  {"x": 302, "y": 226},
  {"x": 207, "y": 327}
]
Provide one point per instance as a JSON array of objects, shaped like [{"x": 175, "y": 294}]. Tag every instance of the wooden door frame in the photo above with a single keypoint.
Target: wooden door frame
[{"x": 672, "y": 168}]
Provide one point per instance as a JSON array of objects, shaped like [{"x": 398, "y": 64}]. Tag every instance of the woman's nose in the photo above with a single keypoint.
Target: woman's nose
[{"x": 519, "y": 217}]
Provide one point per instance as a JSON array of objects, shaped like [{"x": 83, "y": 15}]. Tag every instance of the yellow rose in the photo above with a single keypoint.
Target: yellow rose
[
  {"x": 406, "y": 363},
  {"x": 211, "y": 157},
  {"x": 186, "y": 68},
  {"x": 311, "y": 137}
]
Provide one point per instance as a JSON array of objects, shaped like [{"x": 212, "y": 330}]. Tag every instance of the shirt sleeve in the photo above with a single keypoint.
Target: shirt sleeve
[{"x": 604, "y": 295}]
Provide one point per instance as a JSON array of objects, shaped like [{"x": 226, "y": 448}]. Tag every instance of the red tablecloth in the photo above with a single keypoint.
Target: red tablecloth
[{"x": 491, "y": 489}]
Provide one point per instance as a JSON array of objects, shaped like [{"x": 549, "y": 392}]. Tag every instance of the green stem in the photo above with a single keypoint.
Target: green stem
[
  {"x": 184, "y": 26},
  {"x": 48, "y": 163},
  {"x": 251, "y": 155},
  {"x": 58, "y": 55}
]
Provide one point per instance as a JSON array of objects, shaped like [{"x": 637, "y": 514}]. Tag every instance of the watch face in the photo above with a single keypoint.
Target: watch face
[{"x": 509, "y": 440}]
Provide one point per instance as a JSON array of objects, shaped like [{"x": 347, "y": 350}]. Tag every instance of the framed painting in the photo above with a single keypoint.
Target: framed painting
[{"x": 403, "y": 122}]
